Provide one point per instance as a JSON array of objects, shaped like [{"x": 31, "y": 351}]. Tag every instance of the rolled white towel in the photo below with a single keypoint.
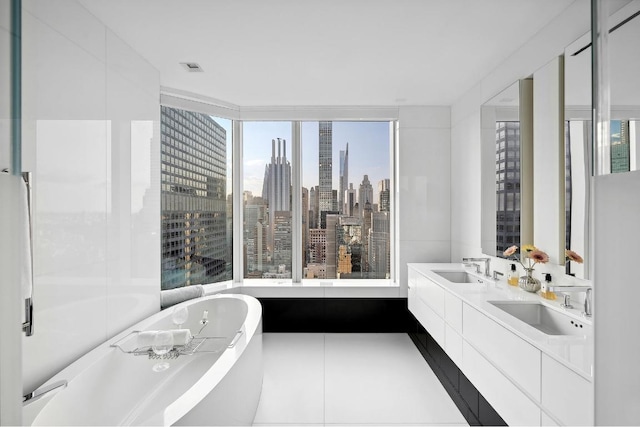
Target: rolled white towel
[
  {"x": 180, "y": 337},
  {"x": 178, "y": 295}
]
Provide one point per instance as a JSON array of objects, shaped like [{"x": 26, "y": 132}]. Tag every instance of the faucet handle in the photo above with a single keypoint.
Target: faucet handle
[
  {"x": 496, "y": 273},
  {"x": 567, "y": 301},
  {"x": 473, "y": 264},
  {"x": 587, "y": 303}
]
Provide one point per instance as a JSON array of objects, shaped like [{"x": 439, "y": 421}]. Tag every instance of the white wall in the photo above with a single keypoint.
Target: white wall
[
  {"x": 91, "y": 135},
  {"x": 617, "y": 227},
  {"x": 11, "y": 305},
  {"x": 424, "y": 190}
]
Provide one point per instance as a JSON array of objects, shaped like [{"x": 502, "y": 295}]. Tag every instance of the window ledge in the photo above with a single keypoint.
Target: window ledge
[{"x": 262, "y": 288}]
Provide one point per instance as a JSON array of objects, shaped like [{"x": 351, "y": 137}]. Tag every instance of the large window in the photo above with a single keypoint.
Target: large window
[
  {"x": 267, "y": 228},
  {"x": 196, "y": 196},
  {"x": 346, "y": 209},
  {"x": 316, "y": 200}
]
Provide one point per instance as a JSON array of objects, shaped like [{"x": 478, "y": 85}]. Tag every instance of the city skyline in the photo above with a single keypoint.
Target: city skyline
[{"x": 368, "y": 152}]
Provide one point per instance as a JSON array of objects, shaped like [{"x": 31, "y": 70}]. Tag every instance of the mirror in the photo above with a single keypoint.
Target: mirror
[
  {"x": 507, "y": 159},
  {"x": 623, "y": 154}
]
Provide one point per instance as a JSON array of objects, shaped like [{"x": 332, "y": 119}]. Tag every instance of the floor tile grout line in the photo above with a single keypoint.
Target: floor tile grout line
[{"x": 324, "y": 379}]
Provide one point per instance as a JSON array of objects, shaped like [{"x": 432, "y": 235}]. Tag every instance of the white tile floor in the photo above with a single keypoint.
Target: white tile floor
[{"x": 350, "y": 379}]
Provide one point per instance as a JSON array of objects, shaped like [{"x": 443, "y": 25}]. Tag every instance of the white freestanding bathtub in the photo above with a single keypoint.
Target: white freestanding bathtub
[{"x": 218, "y": 386}]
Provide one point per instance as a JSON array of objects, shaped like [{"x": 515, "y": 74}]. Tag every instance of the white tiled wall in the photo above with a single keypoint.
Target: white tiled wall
[
  {"x": 424, "y": 187},
  {"x": 91, "y": 133},
  {"x": 617, "y": 209},
  {"x": 10, "y": 298}
]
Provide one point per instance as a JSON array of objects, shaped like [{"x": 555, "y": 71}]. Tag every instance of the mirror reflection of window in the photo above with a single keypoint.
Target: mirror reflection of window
[
  {"x": 507, "y": 184},
  {"x": 620, "y": 146},
  {"x": 578, "y": 137}
]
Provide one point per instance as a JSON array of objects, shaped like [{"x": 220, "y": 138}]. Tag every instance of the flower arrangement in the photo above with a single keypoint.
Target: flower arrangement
[
  {"x": 570, "y": 255},
  {"x": 529, "y": 255}
]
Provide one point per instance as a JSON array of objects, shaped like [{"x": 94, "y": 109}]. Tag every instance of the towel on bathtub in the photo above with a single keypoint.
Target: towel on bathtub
[
  {"x": 178, "y": 295},
  {"x": 180, "y": 337}
]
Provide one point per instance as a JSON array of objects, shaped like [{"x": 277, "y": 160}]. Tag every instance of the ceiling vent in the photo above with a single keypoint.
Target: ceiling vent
[{"x": 192, "y": 67}]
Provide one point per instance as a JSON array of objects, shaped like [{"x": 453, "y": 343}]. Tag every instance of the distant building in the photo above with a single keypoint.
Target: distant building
[
  {"x": 344, "y": 178},
  {"x": 620, "y": 147},
  {"x": 507, "y": 185},
  {"x": 351, "y": 201},
  {"x": 325, "y": 167},
  {"x": 276, "y": 190},
  {"x": 365, "y": 195},
  {"x": 384, "y": 194},
  {"x": 317, "y": 247},
  {"x": 379, "y": 250},
  {"x": 194, "y": 199}
]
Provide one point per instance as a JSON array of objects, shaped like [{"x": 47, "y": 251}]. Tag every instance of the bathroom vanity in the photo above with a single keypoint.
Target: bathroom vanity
[{"x": 531, "y": 359}]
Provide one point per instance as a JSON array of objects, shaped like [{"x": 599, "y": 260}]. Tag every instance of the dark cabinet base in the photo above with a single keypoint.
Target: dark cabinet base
[{"x": 473, "y": 406}]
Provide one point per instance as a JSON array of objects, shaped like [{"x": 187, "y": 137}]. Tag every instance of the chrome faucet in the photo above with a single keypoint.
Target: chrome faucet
[
  {"x": 473, "y": 264},
  {"x": 487, "y": 263},
  {"x": 587, "y": 297}
]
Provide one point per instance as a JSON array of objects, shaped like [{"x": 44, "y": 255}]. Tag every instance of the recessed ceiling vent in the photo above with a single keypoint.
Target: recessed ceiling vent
[{"x": 192, "y": 67}]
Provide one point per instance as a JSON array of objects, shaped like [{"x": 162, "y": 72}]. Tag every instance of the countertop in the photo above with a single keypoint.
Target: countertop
[{"x": 575, "y": 352}]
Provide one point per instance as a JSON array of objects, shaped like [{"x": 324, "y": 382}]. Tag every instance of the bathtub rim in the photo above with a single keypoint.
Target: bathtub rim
[{"x": 195, "y": 393}]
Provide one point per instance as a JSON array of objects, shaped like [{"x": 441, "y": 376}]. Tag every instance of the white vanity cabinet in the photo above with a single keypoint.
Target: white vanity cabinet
[
  {"x": 518, "y": 359},
  {"x": 428, "y": 307},
  {"x": 524, "y": 385},
  {"x": 564, "y": 394}
]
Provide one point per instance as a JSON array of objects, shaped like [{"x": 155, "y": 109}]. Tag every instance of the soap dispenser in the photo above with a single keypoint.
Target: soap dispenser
[
  {"x": 544, "y": 288},
  {"x": 512, "y": 278}
]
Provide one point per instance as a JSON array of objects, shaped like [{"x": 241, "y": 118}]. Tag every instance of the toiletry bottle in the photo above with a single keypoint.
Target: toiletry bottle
[
  {"x": 512, "y": 278},
  {"x": 544, "y": 288}
]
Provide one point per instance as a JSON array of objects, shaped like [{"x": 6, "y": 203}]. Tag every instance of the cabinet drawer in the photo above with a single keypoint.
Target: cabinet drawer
[
  {"x": 565, "y": 394},
  {"x": 511, "y": 403},
  {"x": 453, "y": 311},
  {"x": 428, "y": 318},
  {"x": 431, "y": 294},
  {"x": 453, "y": 344},
  {"x": 412, "y": 277},
  {"x": 515, "y": 357}
]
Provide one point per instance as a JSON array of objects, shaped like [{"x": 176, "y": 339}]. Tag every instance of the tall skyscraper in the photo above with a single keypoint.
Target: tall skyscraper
[
  {"x": 332, "y": 221},
  {"x": 305, "y": 224},
  {"x": 620, "y": 147},
  {"x": 507, "y": 185},
  {"x": 325, "y": 167},
  {"x": 276, "y": 188},
  {"x": 194, "y": 199},
  {"x": 365, "y": 195},
  {"x": 282, "y": 256},
  {"x": 366, "y": 226},
  {"x": 379, "y": 250},
  {"x": 350, "y": 201},
  {"x": 314, "y": 206},
  {"x": 255, "y": 236},
  {"x": 344, "y": 178},
  {"x": 384, "y": 187}
]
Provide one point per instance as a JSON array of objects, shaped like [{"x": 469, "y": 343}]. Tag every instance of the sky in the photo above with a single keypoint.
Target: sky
[{"x": 369, "y": 151}]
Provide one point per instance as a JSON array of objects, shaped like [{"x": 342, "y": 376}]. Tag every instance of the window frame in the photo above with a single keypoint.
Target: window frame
[{"x": 295, "y": 115}]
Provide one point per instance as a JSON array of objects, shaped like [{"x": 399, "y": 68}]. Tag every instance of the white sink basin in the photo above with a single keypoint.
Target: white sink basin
[
  {"x": 459, "y": 277},
  {"x": 543, "y": 318}
]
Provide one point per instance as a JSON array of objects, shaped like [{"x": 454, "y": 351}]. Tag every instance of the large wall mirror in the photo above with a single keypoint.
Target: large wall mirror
[
  {"x": 623, "y": 154},
  {"x": 507, "y": 161}
]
